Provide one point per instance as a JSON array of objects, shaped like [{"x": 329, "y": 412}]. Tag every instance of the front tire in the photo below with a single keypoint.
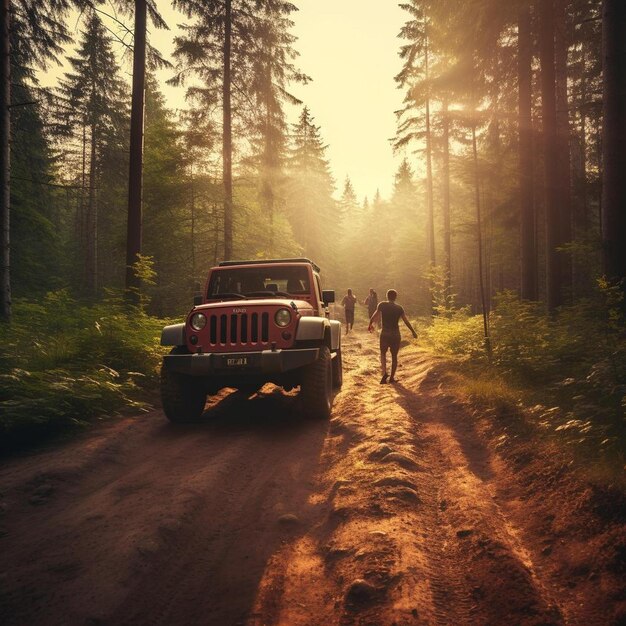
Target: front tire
[
  {"x": 316, "y": 386},
  {"x": 183, "y": 397}
]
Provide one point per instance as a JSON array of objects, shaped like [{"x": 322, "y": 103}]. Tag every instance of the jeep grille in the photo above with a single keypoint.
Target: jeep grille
[{"x": 239, "y": 328}]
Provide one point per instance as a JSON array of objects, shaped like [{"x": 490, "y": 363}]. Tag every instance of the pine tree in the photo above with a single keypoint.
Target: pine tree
[
  {"x": 135, "y": 172},
  {"x": 414, "y": 121},
  {"x": 95, "y": 94},
  {"x": 217, "y": 47},
  {"x": 32, "y": 33},
  {"x": 272, "y": 73},
  {"x": 243, "y": 53},
  {"x": 309, "y": 202}
]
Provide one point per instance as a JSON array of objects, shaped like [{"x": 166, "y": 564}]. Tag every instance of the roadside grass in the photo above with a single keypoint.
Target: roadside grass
[
  {"x": 564, "y": 377},
  {"x": 595, "y": 448},
  {"x": 64, "y": 364}
]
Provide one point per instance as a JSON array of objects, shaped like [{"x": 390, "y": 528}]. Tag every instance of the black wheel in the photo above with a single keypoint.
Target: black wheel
[
  {"x": 337, "y": 370},
  {"x": 183, "y": 397},
  {"x": 317, "y": 386}
]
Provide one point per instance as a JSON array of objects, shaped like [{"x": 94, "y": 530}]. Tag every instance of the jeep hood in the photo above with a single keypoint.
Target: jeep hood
[{"x": 254, "y": 303}]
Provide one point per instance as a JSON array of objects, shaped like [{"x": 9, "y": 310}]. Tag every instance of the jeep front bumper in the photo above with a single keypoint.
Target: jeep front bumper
[{"x": 242, "y": 363}]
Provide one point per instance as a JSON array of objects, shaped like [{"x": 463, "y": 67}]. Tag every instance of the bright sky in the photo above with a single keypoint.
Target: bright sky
[{"x": 349, "y": 48}]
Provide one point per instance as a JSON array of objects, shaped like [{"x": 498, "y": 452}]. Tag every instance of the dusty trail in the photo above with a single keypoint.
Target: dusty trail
[{"x": 399, "y": 511}]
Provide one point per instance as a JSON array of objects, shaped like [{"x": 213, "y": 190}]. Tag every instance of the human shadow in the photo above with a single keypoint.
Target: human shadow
[{"x": 454, "y": 417}]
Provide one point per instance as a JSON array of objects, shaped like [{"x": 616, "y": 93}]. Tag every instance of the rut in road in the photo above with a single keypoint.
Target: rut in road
[
  {"x": 398, "y": 511},
  {"x": 414, "y": 536}
]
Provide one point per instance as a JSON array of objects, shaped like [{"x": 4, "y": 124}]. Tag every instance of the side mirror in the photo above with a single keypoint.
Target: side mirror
[
  {"x": 328, "y": 296},
  {"x": 197, "y": 299}
]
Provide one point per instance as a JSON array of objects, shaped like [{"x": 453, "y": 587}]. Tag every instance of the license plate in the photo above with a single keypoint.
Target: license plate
[{"x": 240, "y": 361}]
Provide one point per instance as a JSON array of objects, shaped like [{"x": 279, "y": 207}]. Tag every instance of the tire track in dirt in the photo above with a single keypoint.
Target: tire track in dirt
[{"x": 414, "y": 532}]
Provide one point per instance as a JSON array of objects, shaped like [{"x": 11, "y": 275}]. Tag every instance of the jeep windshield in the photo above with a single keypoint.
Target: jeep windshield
[{"x": 257, "y": 282}]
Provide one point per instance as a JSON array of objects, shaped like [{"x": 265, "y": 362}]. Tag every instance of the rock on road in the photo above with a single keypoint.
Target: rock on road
[{"x": 401, "y": 510}]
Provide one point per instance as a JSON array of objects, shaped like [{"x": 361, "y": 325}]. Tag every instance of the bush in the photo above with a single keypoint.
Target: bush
[
  {"x": 63, "y": 363},
  {"x": 572, "y": 366}
]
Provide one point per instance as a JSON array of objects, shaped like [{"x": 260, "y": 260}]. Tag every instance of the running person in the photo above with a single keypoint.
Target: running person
[
  {"x": 348, "y": 305},
  {"x": 391, "y": 313}
]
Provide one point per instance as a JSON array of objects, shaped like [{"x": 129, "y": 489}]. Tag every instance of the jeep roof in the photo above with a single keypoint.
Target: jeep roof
[{"x": 269, "y": 262}]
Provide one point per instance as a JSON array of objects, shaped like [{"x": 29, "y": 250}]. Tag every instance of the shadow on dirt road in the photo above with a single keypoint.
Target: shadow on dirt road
[{"x": 150, "y": 504}]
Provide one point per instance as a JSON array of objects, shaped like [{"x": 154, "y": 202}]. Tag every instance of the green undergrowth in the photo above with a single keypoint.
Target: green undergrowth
[
  {"x": 564, "y": 374},
  {"x": 63, "y": 364}
]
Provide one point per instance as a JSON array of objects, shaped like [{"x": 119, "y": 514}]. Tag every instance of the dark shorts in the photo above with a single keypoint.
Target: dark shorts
[
  {"x": 390, "y": 339},
  {"x": 349, "y": 316}
]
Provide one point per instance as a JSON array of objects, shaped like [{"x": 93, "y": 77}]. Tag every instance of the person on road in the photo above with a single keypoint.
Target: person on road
[
  {"x": 371, "y": 302},
  {"x": 348, "y": 302},
  {"x": 390, "y": 312}
]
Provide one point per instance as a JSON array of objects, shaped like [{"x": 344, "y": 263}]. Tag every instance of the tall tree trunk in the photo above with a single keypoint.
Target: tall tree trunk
[
  {"x": 216, "y": 234},
  {"x": 429, "y": 172},
  {"x": 5, "y": 164},
  {"x": 554, "y": 272},
  {"x": 227, "y": 139},
  {"x": 81, "y": 215},
  {"x": 91, "y": 261},
  {"x": 614, "y": 139},
  {"x": 527, "y": 204},
  {"x": 563, "y": 141},
  {"x": 268, "y": 191},
  {"x": 193, "y": 227},
  {"x": 447, "y": 234},
  {"x": 479, "y": 238},
  {"x": 135, "y": 170},
  {"x": 582, "y": 221}
]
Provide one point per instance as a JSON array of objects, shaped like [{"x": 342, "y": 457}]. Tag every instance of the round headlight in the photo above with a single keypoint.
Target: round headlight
[
  {"x": 282, "y": 317},
  {"x": 198, "y": 321}
]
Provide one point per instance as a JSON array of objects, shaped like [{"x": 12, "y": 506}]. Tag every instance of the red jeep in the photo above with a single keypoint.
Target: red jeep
[{"x": 256, "y": 322}]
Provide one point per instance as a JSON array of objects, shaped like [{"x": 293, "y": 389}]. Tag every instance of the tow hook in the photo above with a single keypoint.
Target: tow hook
[
  {"x": 273, "y": 346},
  {"x": 293, "y": 306}
]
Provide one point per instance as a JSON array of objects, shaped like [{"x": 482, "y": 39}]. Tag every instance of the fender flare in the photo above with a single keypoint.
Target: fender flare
[
  {"x": 173, "y": 335},
  {"x": 320, "y": 329},
  {"x": 311, "y": 328}
]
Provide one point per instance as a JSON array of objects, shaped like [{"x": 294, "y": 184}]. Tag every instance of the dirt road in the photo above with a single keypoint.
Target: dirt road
[{"x": 407, "y": 508}]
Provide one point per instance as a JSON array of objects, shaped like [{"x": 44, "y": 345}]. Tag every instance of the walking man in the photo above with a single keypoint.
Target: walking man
[
  {"x": 391, "y": 313},
  {"x": 348, "y": 302},
  {"x": 371, "y": 302}
]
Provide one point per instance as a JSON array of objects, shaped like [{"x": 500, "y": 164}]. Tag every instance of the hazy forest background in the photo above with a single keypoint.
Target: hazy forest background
[{"x": 504, "y": 232}]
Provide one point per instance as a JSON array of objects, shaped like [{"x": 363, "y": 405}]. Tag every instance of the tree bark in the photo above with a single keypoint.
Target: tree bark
[
  {"x": 91, "y": 260},
  {"x": 5, "y": 164},
  {"x": 554, "y": 273},
  {"x": 479, "y": 238},
  {"x": 81, "y": 217},
  {"x": 582, "y": 222},
  {"x": 564, "y": 180},
  {"x": 527, "y": 205},
  {"x": 429, "y": 171},
  {"x": 193, "y": 226},
  {"x": 614, "y": 139},
  {"x": 227, "y": 140},
  {"x": 135, "y": 170},
  {"x": 269, "y": 171},
  {"x": 447, "y": 235}
]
